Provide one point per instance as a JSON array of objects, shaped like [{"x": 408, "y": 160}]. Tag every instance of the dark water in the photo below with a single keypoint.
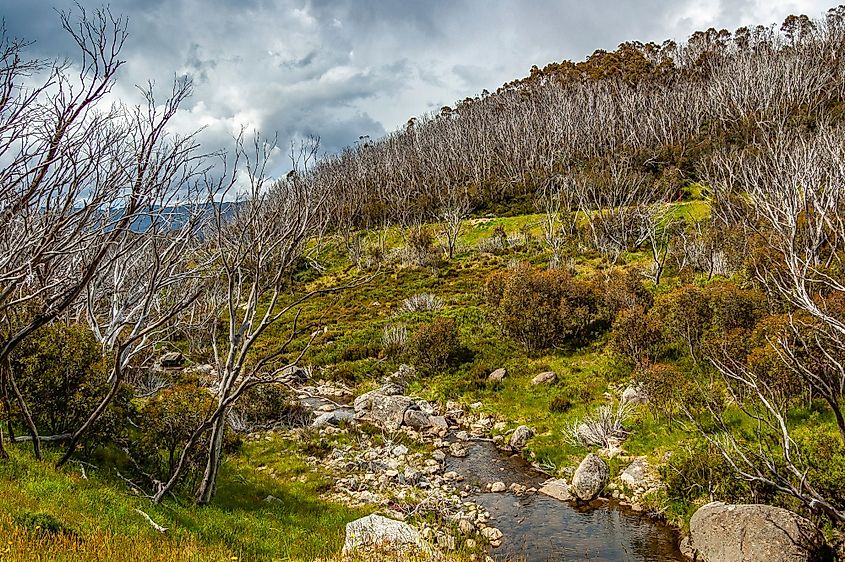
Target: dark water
[{"x": 538, "y": 528}]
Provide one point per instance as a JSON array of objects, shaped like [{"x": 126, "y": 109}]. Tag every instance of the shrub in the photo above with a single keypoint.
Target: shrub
[
  {"x": 560, "y": 404},
  {"x": 167, "y": 420},
  {"x": 685, "y": 315},
  {"x": 61, "y": 371},
  {"x": 542, "y": 309},
  {"x": 42, "y": 524},
  {"x": 421, "y": 302},
  {"x": 394, "y": 339},
  {"x": 824, "y": 454},
  {"x": 436, "y": 344},
  {"x": 625, "y": 290},
  {"x": 420, "y": 245},
  {"x": 637, "y": 336},
  {"x": 266, "y": 404},
  {"x": 697, "y": 471}
]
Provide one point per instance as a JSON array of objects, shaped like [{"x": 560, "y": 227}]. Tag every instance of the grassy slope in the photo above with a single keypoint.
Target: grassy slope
[{"x": 239, "y": 525}]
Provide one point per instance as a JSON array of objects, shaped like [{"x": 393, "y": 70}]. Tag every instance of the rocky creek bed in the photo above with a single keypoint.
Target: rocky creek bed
[{"x": 459, "y": 490}]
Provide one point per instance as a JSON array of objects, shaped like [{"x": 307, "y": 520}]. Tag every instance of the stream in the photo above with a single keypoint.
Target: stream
[{"x": 538, "y": 528}]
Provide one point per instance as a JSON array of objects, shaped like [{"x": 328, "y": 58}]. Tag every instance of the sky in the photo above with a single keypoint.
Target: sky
[{"x": 340, "y": 69}]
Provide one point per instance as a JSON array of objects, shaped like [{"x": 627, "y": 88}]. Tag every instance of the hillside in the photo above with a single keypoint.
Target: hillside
[{"x": 564, "y": 319}]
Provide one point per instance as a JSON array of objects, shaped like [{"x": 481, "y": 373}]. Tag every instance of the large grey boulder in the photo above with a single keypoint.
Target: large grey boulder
[
  {"x": 387, "y": 411},
  {"x": 591, "y": 476},
  {"x": 521, "y": 436},
  {"x": 377, "y": 531},
  {"x": 722, "y": 532}
]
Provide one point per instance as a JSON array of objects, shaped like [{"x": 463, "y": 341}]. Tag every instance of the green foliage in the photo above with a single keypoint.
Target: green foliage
[
  {"x": 61, "y": 371},
  {"x": 543, "y": 309},
  {"x": 42, "y": 524},
  {"x": 265, "y": 404},
  {"x": 166, "y": 422},
  {"x": 696, "y": 471},
  {"x": 824, "y": 454},
  {"x": 436, "y": 345},
  {"x": 637, "y": 336},
  {"x": 560, "y": 404}
]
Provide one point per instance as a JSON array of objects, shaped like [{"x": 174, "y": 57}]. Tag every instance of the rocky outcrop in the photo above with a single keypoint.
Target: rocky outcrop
[
  {"x": 521, "y": 436},
  {"x": 547, "y": 377},
  {"x": 722, "y": 532},
  {"x": 375, "y": 531},
  {"x": 383, "y": 407},
  {"x": 498, "y": 375},
  {"x": 591, "y": 476}
]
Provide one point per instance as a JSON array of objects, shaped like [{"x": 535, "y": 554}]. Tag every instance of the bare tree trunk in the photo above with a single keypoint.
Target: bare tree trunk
[
  {"x": 215, "y": 453},
  {"x": 27, "y": 416},
  {"x": 7, "y": 405}
]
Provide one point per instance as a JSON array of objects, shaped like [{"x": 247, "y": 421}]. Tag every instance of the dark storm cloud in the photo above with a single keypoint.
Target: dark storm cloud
[{"x": 344, "y": 68}]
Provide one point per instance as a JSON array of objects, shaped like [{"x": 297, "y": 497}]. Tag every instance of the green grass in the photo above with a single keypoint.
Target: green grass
[{"x": 238, "y": 525}]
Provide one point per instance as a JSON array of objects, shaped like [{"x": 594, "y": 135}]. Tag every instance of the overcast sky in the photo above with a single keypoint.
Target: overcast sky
[{"x": 343, "y": 68}]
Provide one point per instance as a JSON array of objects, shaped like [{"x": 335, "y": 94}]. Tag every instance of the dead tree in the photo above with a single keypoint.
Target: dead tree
[
  {"x": 253, "y": 241},
  {"x": 77, "y": 179}
]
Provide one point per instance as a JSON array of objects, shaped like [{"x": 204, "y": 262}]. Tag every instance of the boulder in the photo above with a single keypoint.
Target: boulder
[
  {"x": 591, "y": 476},
  {"x": 637, "y": 475},
  {"x": 295, "y": 375},
  {"x": 438, "y": 422},
  {"x": 556, "y": 488},
  {"x": 722, "y": 532},
  {"x": 498, "y": 375},
  {"x": 547, "y": 377},
  {"x": 634, "y": 395},
  {"x": 417, "y": 419},
  {"x": 172, "y": 360},
  {"x": 377, "y": 531},
  {"x": 333, "y": 418},
  {"x": 497, "y": 487},
  {"x": 387, "y": 411},
  {"x": 521, "y": 436}
]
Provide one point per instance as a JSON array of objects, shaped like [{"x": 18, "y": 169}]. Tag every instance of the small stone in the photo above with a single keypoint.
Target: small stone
[
  {"x": 497, "y": 487},
  {"x": 457, "y": 450},
  {"x": 521, "y": 436},
  {"x": 498, "y": 375},
  {"x": 492, "y": 534},
  {"x": 399, "y": 450},
  {"x": 438, "y": 455}
]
